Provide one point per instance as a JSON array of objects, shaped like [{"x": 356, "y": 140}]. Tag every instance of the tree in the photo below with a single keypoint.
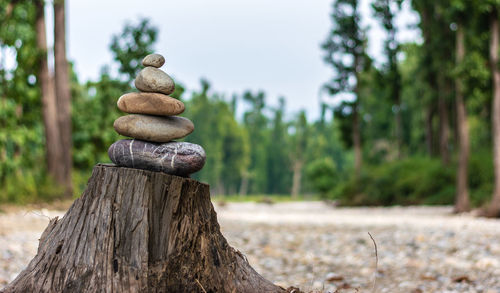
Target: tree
[
  {"x": 53, "y": 147},
  {"x": 94, "y": 108},
  {"x": 462, "y": 198},
  {"x": 462, "y": 202},
  {"x": 23, "y": 168},
  {"x": 386, "y": 11},
  {"x": 147, "y": 232},
  {"x": 63, "y": 94},
  {"x": 436, "y": 65},
  {"x": 345, "y": 52},
  {"x": 129, "y": 47},
  {"x": 256, "y": 125},
  {"x": 299, "y": 146},
  {"x": 94, "y": 103},
  {"x": 494, "y": 209},
  {"x": 224, "y": 141},
  {"x": 235, "y": 150},
  {"x": 278, "y": 158},
  {"x": 208, "y": 133}
]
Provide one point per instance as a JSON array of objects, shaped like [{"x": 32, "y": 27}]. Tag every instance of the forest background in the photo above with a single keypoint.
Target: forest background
[{"x": 420, "y": 129}]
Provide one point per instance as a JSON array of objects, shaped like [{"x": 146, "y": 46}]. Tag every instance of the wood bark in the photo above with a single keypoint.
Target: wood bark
[
  {"x": 297, "y": 178},
  {"x": 429, "y": 133},
  {"x": 63, "y": 93},
  {"x": 244, "y": 183},
  {"x": 138, "y": 231},
  {"x": 49, "y": 105},
  {"x": 462, "y": 202},
  {"x": 494, "y": 208},
  {"x": 444, "y": 127},
  {"x": 399, "y": 125},
  {"x": 356, "y": 128},
  {"x": 356, "y": 138},
  {"x": 430, "y": 79}
]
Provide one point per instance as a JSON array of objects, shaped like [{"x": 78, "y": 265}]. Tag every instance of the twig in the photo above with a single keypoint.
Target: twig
[
  {"x": 199, "y": 284},
  {"x": 40, "y": 214},
  {"x": 376, "y": 263}
]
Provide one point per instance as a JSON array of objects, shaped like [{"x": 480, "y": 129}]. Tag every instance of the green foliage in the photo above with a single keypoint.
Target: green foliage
[
  {"x": 135, "y": 42},
  {"x": 481, "y": 176},
  {"x": 225, "y": 142},
  {"x": 264, "y": 147},
  {"x": 94, "y": 104},
  {"x": 390, "y": 76},
  {"x": 260, "y": 198},
  {"x": 345, "y": 47},
  {"x": 412, "y": 181},
  {"x": 94, "y": 111},
  {"x": 278, "y": 169},
  {"x": 22, "y": 175},
  {"x": 416, "y": 180},
  {"x": 256, "y": 124},
  {"x": 323, "y": 176}
]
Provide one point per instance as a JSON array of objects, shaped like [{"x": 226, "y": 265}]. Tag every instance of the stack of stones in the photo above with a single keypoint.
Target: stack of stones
[{"x": 153, "y": 126}]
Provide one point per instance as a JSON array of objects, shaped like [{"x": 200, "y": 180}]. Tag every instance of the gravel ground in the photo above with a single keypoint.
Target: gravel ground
[{"x": 319, "y": 248}]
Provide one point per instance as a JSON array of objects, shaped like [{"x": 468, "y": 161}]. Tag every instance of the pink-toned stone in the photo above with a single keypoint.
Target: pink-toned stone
[
  {"x": 150, "y": 103},
  {"x": 153, "y": 128}
]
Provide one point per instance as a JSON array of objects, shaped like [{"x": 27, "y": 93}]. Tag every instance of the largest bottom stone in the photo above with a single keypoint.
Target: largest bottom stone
[{"x": 176, "y": 158}]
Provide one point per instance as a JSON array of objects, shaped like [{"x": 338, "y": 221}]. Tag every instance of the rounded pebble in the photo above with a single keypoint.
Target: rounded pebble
[
  {"x": 155, "y": 60},
  {"x": 175, "y": 158},
  {"x": 154, "y": 80},
  {"x": 153, "y": 128},
  {"x": 150, "y": 103}
]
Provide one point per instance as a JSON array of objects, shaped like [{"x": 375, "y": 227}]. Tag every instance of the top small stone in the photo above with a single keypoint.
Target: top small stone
[{"x": 154, "y": 60}]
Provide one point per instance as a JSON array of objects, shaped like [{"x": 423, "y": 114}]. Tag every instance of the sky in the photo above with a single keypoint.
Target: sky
[{"x": 272, "y": 46}]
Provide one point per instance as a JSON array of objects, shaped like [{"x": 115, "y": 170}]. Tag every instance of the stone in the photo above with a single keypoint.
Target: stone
[
  {"x": 153, "y": 128},
  {"x": 154, "y": 80},
  {"x": 175, "y": 158},
  {"x": 155, "y": 60},
  {"x": 150, "y": 103}
]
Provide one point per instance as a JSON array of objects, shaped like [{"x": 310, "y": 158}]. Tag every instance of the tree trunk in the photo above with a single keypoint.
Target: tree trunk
[
  {"x": 244, "y": 184},
  {"x": 444, "y": 128},
  {"x": 297, "y": 178},
  {"x": 462, "y": 203},
  {"x": 356, "y": 138},
  {"x": 399, "y": 126},
  {"x": 138, "y": 231},
  {"x": 494, "y": 208},
  {"x": 356, "y": 128},
  {"x": 49, "y": 105},
  {"x": 395, "y": 88},
  {"x": 430, "y": 79},
  {"x": 429, "y": 134},
  {"x": 63, "y": 93}
]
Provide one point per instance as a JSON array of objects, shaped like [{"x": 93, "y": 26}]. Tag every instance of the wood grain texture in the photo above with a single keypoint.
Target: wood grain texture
[{"x": 138, "y": 231}]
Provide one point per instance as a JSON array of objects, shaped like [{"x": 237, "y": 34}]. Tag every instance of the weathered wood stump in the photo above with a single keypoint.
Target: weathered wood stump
[{"x": 138, "y": 231}]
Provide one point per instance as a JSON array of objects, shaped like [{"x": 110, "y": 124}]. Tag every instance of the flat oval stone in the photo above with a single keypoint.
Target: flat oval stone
[
  {"x": 155, "y": 60},
  {"x": 154, "y": 80},
  {"x": 150, "y": 103},
  {"x": 153, "y": 128},
  {"x": 175, "y": 158}
]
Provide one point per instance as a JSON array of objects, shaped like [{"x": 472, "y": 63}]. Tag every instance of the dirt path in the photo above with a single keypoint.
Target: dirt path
[{"x": 316, "y": 247}]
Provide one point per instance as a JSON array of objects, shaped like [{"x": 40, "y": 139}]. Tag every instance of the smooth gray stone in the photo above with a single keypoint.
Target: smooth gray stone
[
  {"x": 154, "y": 80},
  {"x": 175, "y": 158},
  {"x": 155, "y": 60},
  {"x": 153, "y": 128}
]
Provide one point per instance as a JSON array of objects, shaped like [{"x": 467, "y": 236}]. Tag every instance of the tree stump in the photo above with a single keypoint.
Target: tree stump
[{"x": 138, "y": 231}]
